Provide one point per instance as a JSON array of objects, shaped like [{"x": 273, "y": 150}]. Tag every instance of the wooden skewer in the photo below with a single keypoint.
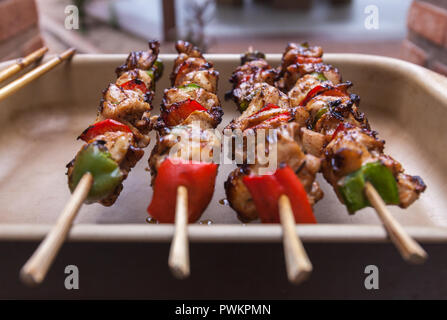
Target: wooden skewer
[
  {"x": 36, "y": 268},
  {"x": 298, "y": 264},
  {"x": 410, "y": 250},
  {"x": 179, "y": 252},
  {"x": 22, "y": 63},
  {"x": 34, "y": 74}
]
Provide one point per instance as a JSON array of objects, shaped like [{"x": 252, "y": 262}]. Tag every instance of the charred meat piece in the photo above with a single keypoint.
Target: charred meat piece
[
  {"x": 143, "y": 60},
  {"x": 355, "y": 147},
  {"x": 175, "y": 98},
  {"x": 129, "y": 107},
  {"x": 190, "y": 59},
  {"x": 253, "y": 72},
  {"x": 299, "y": 60}
]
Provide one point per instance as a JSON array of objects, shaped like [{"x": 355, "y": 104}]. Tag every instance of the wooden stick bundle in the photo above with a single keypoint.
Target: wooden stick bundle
[
  {"x": 27, "y": 78},
  {"x": 22, "y": 63}
]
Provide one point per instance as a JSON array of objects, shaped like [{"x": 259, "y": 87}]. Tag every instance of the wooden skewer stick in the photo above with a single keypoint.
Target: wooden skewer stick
[
  {"x": 410, "y": 250},
  {"x": 36, "y": 268},
  {"x": 179, "y": 252},
  {"x": 298, "y": 264},
  {"x": 34, "y": 74},
  {"x": 22, "y": 63}
]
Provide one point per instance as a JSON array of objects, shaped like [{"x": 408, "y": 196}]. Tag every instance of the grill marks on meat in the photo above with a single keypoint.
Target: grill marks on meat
[
  {"x": 190, "y": 67},
  {"x": 130, "y": 107},
  {"x": 249, "y": 78},
  {"x": 351, "y": 147},
  {"x": 288, "y": 152},
  {"x": 202, "y": 145},
  {"x": 140, "y": 59},
  {"x": 253, "y": 82},
  {"x": 299, "y": 60},
  {"x": 207, "y": 99}
]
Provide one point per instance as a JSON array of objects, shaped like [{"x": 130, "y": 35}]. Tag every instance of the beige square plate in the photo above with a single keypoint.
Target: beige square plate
[{"x": 407, "y": 104}]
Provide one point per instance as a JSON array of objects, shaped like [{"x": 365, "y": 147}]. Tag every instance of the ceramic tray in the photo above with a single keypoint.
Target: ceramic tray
[{"x": 407, "y": 104}]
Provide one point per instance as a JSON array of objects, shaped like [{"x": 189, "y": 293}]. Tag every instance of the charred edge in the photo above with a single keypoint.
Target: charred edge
[
  {"x": 132, "y": 61},
  {"x": 187, "y": 48},
  {"x": 251, "y": 56}
]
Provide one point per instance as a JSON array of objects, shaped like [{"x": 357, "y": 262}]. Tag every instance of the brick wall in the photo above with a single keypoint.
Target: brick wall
[
  {"x": 19, "y": 30},
  {"x": 426, "y": 43}
]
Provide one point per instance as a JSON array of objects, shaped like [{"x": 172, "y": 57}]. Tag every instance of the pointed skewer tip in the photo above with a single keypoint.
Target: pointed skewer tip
[{"x": 298, "y": 264}]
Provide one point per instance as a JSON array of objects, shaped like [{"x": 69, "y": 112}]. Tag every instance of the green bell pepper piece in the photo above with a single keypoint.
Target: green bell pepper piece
[
  {"x": 189, "y": 87},
  {"x": 383, "y": 180},
  {"x": 320, "y": 76},
  {"x": 156, "y": 71},
  {"x": 305, "y": 44},
  {"x": 151, "y": 74},
  {"x": 352, "y": 186},
  {"x": 106, "y": 173},
  {"x": 351, "y": 189},
  {"x": 243, "y": 105},
  {"x": 159, "y": 67},
  {"x": 319, "y": 114}
]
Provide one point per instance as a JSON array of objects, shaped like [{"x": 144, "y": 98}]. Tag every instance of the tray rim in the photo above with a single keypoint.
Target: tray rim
[
  {"x": 432, "y": 82},
  {"x": 226, "y": 233}
]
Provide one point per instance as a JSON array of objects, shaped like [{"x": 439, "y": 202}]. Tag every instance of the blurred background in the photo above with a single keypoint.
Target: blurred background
[{"x": 412, "y": 30}]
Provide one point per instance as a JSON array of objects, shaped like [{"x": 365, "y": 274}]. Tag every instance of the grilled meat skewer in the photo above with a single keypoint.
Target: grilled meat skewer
[
  {"x": 189, "y": 111},
  {"x": 265, "y": 107},
  {"x": 115, "y": 142},
  {"x": 339, "y": 133}
]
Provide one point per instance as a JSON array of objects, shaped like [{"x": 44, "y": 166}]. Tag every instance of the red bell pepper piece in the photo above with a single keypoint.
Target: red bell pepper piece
[
  {"x": 334, "y": 92},
  {"x": 268, "y": 106},
  {"x": 101, "y": 127},
  {"x": 245, "y": 78},
  {"x": 181, "y": 70},
  {"x": 179, "y": 112},
  {"x": 282, "y": 117},
  {"x": 340, "y": 127},
  {"x": 324, "y": 91},
  {"x": 312, "y": 93},
  {"x": 267, "y": 189},
  {"x": 134, "y": 84},
  {"x": 197, "y": 177}
]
